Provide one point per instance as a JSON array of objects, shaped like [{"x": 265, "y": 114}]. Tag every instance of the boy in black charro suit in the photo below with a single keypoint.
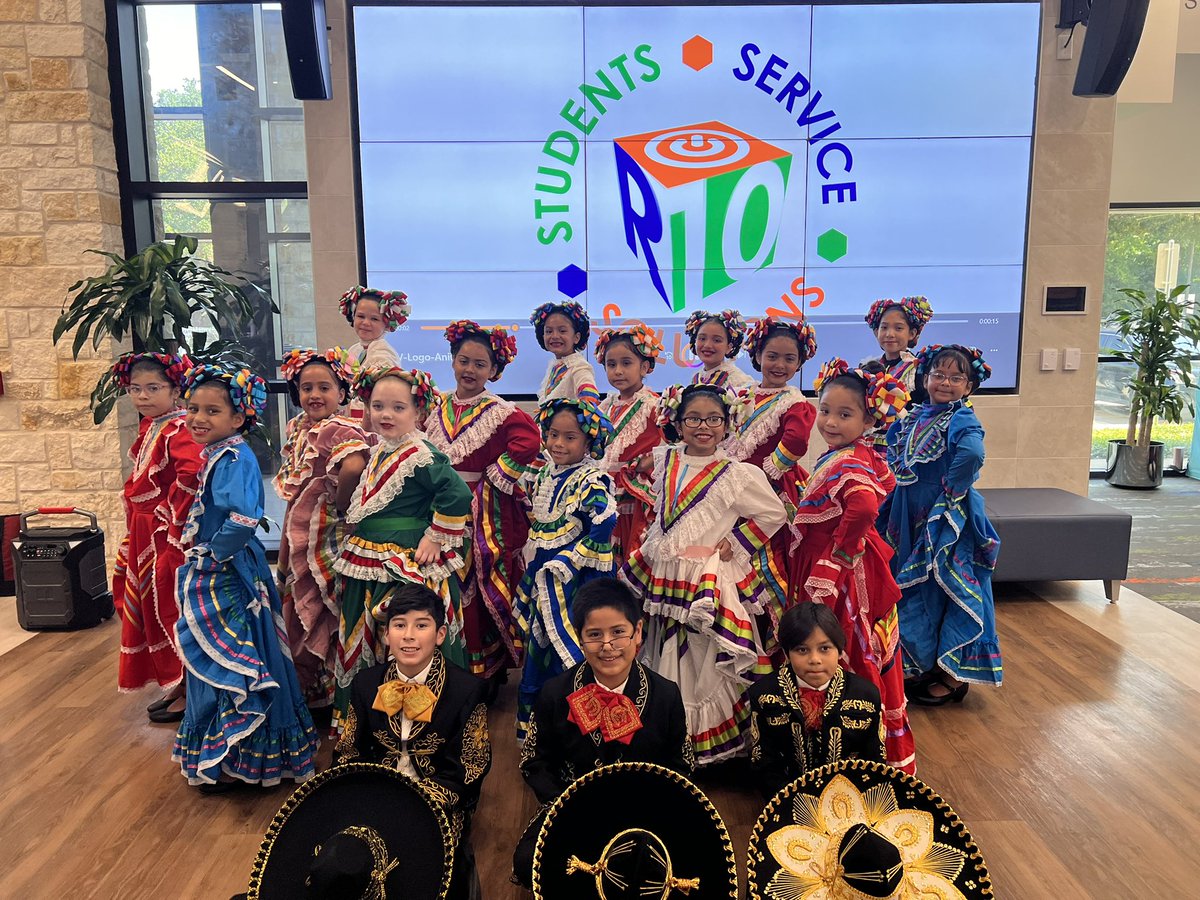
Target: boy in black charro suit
[
  {"x": 811, "y": 711},
  {"x": 608, "y": 708},
  {"x": 423, "y": 716}
]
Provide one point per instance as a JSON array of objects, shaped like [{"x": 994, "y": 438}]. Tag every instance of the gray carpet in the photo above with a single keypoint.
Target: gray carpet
[{"x": 1164, "y": 556}]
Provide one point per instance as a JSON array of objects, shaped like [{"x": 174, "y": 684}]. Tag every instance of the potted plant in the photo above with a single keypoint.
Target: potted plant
[
  {"x": 1159, "y": 334},
  {"x": 167, "y": 300}
]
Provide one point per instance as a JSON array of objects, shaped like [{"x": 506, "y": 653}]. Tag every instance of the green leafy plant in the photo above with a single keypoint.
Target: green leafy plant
[
  {"x": 1160, "y": 333},
  {"x": 167, "y": 300}
]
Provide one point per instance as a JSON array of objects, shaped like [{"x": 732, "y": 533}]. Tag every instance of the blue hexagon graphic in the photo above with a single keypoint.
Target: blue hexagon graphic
[
  {"x": 572, "y": 281},
  {"x": 831, "y": 246}
]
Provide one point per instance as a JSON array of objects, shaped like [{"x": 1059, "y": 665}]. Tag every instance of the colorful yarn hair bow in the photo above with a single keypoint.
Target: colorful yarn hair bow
[
  {"x": 672, "y": 400},
  {"x": 336, "y": 358},
  {"x": 572, "y": 310},
  {"x": 885, "y": 396},
  {"x": 642, "y": 337},
  {"x": 247, "y": 391},
  {"x": 761, "y": 331},
  {"x": 502, "y": 344},
  {"x": 730, "y": 319},
  {"x": 927, "y": 358},
  {"x": 916, "y": 310},
  {"x": 175, "y": 367},
  {"x": 393, "y": 305},
  {"x": 424, "y": 391},
  {"x": 593, "y": 423}
]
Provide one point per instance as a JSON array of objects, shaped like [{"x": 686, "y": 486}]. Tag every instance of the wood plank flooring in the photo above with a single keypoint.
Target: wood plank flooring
[{"x": 1080, "y": 778}]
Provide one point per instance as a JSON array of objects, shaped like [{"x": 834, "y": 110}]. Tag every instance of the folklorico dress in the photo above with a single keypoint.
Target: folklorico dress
[
  {"x": 635, "y": 435},
  {"x": 570, "y": 377},
  {"x": 408, "y": 490},
  {"x": 839, "y": 559},
  {"x": 309, "y": 544},
  {"x": 490, "y": 442},
  {"x": 702, "y": 633},
  {"x": 945, "y": 546},
  {"x": 572, "y": 519},
  {"x": 245, "y": 714},
  {"x": 157, "y": 497},
  {"x": 727, "y": 374},
  {"x": 773, "y": 435}
]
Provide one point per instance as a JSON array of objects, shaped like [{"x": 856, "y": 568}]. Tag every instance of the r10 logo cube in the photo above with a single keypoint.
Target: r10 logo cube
[{"x": 701, "y": 201}]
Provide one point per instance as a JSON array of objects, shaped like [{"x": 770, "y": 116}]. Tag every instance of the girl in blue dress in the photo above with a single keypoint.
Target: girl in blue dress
[
  {"x": 571, "y": 521},
  {"x": 945, "y": 547},
  {"x": 246, "y": 719}
]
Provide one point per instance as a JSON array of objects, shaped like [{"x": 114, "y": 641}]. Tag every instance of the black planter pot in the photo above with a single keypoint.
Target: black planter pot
[{"x": 1138, "y": 468}]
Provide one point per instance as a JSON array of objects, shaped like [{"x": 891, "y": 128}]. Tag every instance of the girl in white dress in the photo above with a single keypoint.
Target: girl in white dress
[{"x": 711, "y": 515}]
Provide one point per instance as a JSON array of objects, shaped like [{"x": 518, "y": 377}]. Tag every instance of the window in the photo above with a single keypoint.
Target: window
[
  {"x": 211, "y": 142},
  {"x": 1146, "y": 248}
]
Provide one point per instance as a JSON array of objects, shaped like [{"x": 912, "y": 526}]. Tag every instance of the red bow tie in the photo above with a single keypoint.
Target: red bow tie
[
  {"x": 812, "y": 704},
  {"x": 592, "y": 707}
]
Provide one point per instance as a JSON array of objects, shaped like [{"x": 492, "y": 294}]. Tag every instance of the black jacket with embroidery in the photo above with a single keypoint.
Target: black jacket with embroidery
[
  {"x": 556, "y": 752},
  {"x": 782, "y": 749},
  {"x": 451, "y": 752}
]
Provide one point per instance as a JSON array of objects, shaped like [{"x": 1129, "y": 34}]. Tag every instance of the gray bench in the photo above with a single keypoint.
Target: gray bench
[{"x": 1047, "y": 534}]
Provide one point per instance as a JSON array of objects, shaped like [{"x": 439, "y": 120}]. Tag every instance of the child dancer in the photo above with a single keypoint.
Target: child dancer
[
  {"x": 571, "y": 524},
  {"x": 812, "y": 712},
  {"x": 371, "y": 313},
  {"x": 716, "y": 339},
  {"x": 323, "y": 457},
  {"x": 838, "y": 558},
  {"x": 897, "y": 325},
  {"x": 158, "y": 494},
  {"x": 773, "y": 433},
  {"x": 945, "y": 546},
  {"x": 694, "y": 569},
  {"x": 245, "y": 718},
  {"x": 409, "y": 512},
  {"x": 628, "y": 357},
  {"x": 562, "y": 329},
  {"x": 490, "y": 442}
]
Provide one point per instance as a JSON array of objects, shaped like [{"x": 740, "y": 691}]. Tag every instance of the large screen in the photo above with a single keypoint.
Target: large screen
[{"x": 649, "y": 161}]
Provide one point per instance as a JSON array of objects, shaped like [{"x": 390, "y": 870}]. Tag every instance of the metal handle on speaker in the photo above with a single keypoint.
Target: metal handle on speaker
[{"x": 59, "y": 511}]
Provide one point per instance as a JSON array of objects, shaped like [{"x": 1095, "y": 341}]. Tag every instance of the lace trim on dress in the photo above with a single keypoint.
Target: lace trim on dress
[
  {"x": 632, "y": 424},
  {"x": 470, "y": 435},
  {"x": 762, "y": 423},
  {"x": 390, "y": 465}
]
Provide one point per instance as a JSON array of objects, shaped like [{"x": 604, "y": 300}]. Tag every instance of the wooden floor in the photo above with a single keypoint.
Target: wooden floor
[{"x": 1080, "y": 778}]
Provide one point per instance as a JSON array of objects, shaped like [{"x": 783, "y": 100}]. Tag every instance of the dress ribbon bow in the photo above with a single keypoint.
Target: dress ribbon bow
[
  {"x": 416, "y": 700},
  {"x": 812, "y": 704},
  {"x": 614, "y": 714}
]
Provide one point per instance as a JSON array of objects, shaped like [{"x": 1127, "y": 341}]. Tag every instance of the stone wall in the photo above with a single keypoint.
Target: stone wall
[{"x": 58, "y": 196}]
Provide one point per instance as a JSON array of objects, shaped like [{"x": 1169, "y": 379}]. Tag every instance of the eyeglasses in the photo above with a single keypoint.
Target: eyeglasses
[
  {"x": 150, "y": 390},
  {"x": 941, "y": 378},
  {"x": 697, "y": 421},
  {"x": 617, "y": 642}
]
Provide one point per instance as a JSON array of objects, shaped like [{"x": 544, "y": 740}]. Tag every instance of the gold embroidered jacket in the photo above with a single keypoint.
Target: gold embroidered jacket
[{"x": 782, "y": 748}]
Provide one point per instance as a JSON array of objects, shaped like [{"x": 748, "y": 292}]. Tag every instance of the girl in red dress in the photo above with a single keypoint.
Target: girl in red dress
[
  {"x": 838, "y": 558},
  {"x": 628, "y": 356},
  {"x": 158, "y": 495},
  {"x": 772, "y": 433},
  {"x": 490, "y": 443}
]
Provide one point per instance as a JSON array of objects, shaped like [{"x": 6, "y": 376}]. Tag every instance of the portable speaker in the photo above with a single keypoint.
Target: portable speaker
[
  {"x": 307, "y": 48},
  {"x": 1113, "y": 31}
]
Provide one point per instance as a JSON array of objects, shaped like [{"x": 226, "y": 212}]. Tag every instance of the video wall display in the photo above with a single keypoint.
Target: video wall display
[{"x": 651, "y": 161}]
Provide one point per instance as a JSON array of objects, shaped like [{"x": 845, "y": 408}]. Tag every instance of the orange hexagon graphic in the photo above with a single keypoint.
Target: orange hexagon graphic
[{"x": 697, "y": 53}]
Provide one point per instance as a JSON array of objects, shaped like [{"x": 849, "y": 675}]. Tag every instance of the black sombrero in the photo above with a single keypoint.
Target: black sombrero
[
  {"x": 860, "y": 830},
  {"x": 633, "y": 830},
  {"x": 358, "y": 830}
]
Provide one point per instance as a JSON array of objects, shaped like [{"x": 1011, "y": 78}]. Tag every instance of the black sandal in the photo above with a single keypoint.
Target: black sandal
[{"x": 922, "y": 697}]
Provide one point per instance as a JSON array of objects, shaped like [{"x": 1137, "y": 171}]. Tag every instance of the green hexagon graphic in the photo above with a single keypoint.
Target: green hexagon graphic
[{"x": 831, "y": 246}]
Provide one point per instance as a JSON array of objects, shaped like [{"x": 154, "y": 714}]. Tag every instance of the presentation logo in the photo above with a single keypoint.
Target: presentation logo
[{"x": 702, "y": 201}]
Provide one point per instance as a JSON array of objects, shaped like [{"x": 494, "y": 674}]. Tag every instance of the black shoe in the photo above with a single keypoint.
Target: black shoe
[
  {"x": 166, "y": 715},
  {"x": 220, "y": 787},
  {"x": 924, "y": 698},
  {"x": 160, "y": 703}
]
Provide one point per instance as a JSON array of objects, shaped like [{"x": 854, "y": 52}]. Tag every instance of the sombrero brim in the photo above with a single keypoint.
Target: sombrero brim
[
  {"x": 885, "y": 791},
  {"x": 413, "y": 826},
  {"x": 621, "y": 796}
]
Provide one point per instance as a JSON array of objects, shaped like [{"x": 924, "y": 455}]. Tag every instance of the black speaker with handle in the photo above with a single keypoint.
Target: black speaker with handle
[
  {"x": 1114, "y": 28},
  {"x": 304, "y": 32}
]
